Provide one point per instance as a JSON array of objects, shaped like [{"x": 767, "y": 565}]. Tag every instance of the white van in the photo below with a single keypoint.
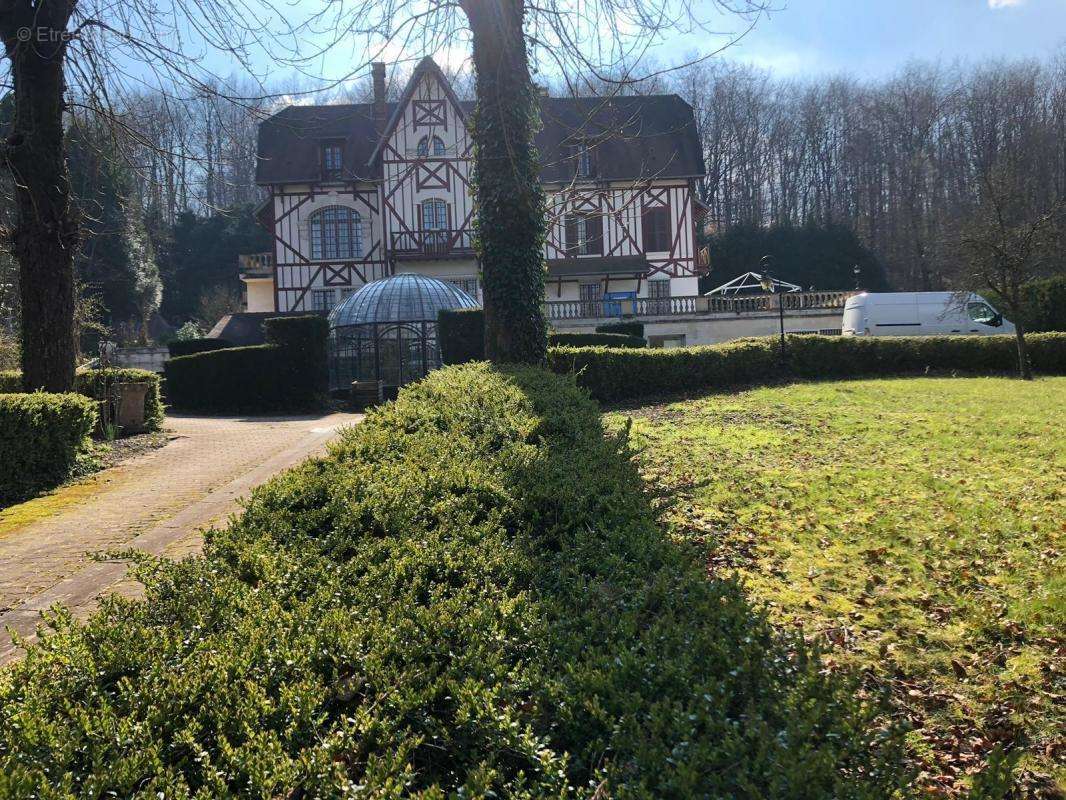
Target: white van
[{"x": 921, "y": 314}]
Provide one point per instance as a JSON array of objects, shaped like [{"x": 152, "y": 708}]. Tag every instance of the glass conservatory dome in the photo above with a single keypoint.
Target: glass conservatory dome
[{"x": 387, "y": 331}]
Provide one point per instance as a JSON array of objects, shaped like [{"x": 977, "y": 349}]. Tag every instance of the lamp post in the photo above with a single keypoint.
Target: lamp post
[{"x": 766, "y": 279}]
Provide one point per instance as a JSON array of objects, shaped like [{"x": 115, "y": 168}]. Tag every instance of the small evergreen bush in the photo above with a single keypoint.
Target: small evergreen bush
[
  {"x": 595, "y": 340},
  {"x": 461, "y": 334},
  {"x": 41, "y": 437},
  {"x": 616, "y": 374},
  {"x": 626, "y": 328},
  {"x": 186, "y": 347},
  {"x": 469, "y": 597}
]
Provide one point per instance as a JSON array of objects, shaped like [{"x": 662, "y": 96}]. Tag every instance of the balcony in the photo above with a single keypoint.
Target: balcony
[
  {"x": 693, "y": 305},
  {"x": 439, "y": 243},
  {"x": 256, "y": 265}
]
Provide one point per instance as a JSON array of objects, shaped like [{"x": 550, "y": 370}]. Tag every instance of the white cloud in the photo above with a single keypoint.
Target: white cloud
[{"x": 994, "y": 4}]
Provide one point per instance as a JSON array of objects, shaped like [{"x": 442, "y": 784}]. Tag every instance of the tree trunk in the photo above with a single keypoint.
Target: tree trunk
[
  {"x": 1025, "y": 369},
  {"x": 46, "y": 230},
  {"x": 508, "y": 194}
]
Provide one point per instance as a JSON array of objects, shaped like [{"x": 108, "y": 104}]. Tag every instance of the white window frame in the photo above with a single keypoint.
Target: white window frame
[{"x": 336, "y": 234}]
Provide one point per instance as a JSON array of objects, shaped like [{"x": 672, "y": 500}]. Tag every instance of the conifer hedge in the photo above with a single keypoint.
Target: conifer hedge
[
  {"x": 469, "y": 597},
  {"x": 288, "y": 374}
]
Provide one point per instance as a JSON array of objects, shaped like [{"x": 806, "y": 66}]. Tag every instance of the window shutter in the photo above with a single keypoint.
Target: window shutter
[
  {"x": 594, "y": 228},
  {"x": 656, "y": 233},
  {"x": 571, "y": 234}
]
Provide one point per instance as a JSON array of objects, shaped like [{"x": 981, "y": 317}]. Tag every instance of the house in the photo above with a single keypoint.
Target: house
[{"x": 360, "y": 192}]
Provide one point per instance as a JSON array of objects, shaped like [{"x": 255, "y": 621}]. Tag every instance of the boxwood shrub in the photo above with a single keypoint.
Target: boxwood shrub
[
  {"x": 186, "y": 347},
  {"x": 41, "y": 437},
  {"x": 469, "y": 597},
  {"x": 461, "y": 335},
  {"x": 288, "y": 374},
  {"x": 613, "y": 375},
  {"x": 594, "y": 340},
  {"x": 91, "y": 382}
]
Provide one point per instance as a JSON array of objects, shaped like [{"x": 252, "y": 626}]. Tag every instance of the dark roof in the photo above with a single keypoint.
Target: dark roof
[
  {"x": 608, "y": 265},
  {"x": 289, "y": 141},
  {"x": 646, "y": 136},
  {"x": 244, "y": 328}
]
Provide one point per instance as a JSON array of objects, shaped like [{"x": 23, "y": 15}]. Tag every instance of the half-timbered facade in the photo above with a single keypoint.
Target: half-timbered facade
[{"x": 359, "y": 192}]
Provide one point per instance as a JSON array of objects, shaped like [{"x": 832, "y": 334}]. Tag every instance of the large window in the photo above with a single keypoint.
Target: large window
[
  {"x": 331, "y": 155},
  {"x": 434, "y": 145},
  {"x": 591, "y": 295},
  {"x": 336, "y": 233},
  {"x": 584, "y": 234},
  {"x": 434, "y": 215},
  {"x": 655, "y": 223},
  {"x": 659, "y": 296}
]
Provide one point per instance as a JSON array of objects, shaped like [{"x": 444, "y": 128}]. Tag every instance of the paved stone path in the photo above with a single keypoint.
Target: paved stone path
[{"x": 156, "y": 502}]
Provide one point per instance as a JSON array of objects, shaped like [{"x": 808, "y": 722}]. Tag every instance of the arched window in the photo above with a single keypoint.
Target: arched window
[
  {"x": 336, "y": 233},
  {"x": 425, "y": 143},
  {"x": 434, "y": 215}
]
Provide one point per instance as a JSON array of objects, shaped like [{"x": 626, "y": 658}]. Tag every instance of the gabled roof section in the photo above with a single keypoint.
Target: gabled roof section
[
  {"x": 426, "y": 67},
  {"x": 632, "y": 137},
  {"x": 289, "y": 141},
  {"x": 639, "y": 137}
]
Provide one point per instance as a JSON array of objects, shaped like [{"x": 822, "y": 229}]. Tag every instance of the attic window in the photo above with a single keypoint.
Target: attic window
[
  {"x": 332, "y": 160},
  {"x": 582, "y": 154}
]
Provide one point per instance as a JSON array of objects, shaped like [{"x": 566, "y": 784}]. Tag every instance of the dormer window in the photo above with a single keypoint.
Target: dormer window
[
  {"x": 331, "y": 160},
  {"x": 429, "y": 144},
  {"x": 582, "y": 155}
]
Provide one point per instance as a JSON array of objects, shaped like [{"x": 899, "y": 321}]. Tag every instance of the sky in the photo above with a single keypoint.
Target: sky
[
  {"x": 871, "y": 38},
  {"x": 866, "y": 39}
]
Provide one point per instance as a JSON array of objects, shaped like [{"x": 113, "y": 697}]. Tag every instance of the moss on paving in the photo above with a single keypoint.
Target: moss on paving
[{"x": 913, "y": 526}]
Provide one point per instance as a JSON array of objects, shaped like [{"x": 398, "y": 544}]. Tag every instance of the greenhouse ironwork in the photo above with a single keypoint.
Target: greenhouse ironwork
[{"x": 387, "y": 331}]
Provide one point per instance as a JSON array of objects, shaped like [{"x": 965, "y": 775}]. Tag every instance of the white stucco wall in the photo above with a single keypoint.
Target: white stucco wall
[{"x": 260, "y": 294}]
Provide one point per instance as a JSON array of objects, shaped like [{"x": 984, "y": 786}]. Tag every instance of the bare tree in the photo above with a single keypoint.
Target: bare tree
[{"x": 1009, "y": 242}]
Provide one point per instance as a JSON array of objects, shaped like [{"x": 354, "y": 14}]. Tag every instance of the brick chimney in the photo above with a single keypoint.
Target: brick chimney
[{"x": 378, "y": 71}]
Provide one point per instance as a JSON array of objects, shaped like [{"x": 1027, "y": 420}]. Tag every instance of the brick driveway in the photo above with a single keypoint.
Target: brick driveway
[{"x": 156, "y": 502}]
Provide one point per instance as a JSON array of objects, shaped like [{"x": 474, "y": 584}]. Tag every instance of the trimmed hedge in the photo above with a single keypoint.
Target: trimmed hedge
[
  {"x": 302, "y": 346},
  {"x": 626, "y": 328},
  {"x": 41, "y": 437},
  {"x": 90, "y": 383},
  {"x": 289, "y": 374},
  {"x": 186, "y": 347},
  {"x": 470, "y": 597},
  {"x": 612, "y": 375},
  {"x": 594, "y": 340},
  {"x": 461, "y": 335}
]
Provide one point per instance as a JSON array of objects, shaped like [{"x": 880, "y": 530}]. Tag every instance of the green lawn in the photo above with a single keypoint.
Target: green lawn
[{"x": 915, "y": 527}]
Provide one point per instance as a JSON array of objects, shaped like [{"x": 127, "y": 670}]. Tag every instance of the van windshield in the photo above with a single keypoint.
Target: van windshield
[{"x": 983, "y": 313}]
